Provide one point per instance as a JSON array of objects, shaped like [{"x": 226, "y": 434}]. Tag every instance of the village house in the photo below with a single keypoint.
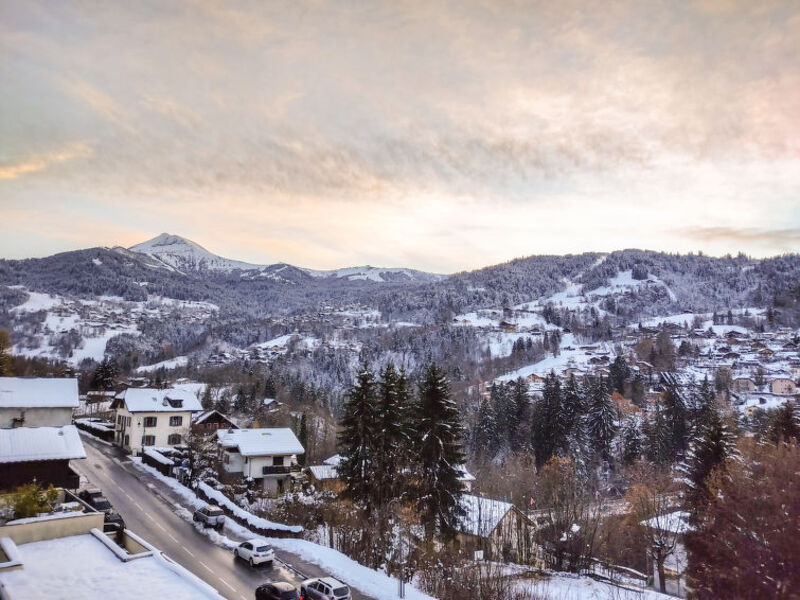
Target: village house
[
  {"x": 268, "y": 456},
  {"x": 782, "y": 385},
  {"x": 497, "y": 528},
  {"x": 209, "y": 421},
  {"x": 743, "y": 384},
  {"x": 151, "y": 417},
  {"x": 37, "y": 438},
  {"x": 37, "y": 402},
  {"x": 41, "y": 454}
]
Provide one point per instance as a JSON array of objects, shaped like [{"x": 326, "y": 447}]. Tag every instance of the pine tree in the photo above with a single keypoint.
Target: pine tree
[
  {"x": 357, "y": 440},
  {"x": 520, "y": 433},
  {"x": 619, "y": 372},
  {"x": 485, "y": 436},
  {"x": 546, "y": 425},
  {"x": 658, "y": 441},
  {"x": 632, "y": 440},
  {"x": 303, "y": 439},
  {"x": 674, "y": 422},
  {"x": 601, "y": 417},
  {"x": 5, "y": 357},
  {"x": 712, "y": 445},
  {"x": 390, "y": 437},
  {"x": 438, "y": 486}
]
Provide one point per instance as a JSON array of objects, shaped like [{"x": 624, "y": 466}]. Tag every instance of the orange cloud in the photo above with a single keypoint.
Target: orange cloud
[{"x": 40, "y": 162}]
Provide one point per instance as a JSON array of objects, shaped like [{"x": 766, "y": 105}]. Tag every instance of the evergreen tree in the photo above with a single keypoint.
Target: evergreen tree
[
  {"x": 712, "y": 445},
  {"x": 438, "y": 486},
  {"x": 546, "y": 425},
  {"x": 632, "y": 440},
  {"x": 357, "y": 440},
  {"x": 390, "y": 437},
  {"x": 658, "y": 440},
  {"x": 485, "y": 436},
  {"x": 676, "y": 430},
  {"x": 5, "y": 357},
  {"x": 520, "y": 430},
  {"x": 303, "y": 439},
  {"x": 619, "y": 372},
  {"x": 601, "y": 417}
]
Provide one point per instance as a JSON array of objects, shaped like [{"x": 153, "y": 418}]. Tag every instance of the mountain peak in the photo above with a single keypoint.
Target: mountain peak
[{"x": 183, "y": 254}]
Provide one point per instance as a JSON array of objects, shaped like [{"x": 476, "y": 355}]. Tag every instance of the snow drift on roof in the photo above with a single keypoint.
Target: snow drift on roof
[
  {"x": 24, "y": 444},
  {"x": 261, "y": 442},
  {"x": 38, "y": 392},
  {"x": 483, "y": 514},
  {"x": 152, "y": 400}
]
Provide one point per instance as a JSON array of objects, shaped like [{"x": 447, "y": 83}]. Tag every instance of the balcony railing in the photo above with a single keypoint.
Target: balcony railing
[{"x": 280, "y": 470}]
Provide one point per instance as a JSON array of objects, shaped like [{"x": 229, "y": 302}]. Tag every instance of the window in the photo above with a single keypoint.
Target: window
[
  {"x": 150, "y": 421},
  {"x": 127, "y": 441},
  {"x": 128, "y": 419},
  {"x": 148, "y": 440},
  {"x": 277, "y": 461},
  {"x": 174, "y": 439},
  {"x": 119, "y": 419},
  {"x": 175, "y": 421}
]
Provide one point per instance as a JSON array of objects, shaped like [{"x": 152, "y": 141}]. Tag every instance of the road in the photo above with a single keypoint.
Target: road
[{"x": 151, "y": 516}]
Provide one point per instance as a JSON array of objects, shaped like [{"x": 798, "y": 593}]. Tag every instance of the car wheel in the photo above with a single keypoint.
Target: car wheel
[{"x": 252, "y": 564}]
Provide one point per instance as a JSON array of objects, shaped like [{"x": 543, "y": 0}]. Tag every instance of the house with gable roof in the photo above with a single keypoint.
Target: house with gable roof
[{"x": 151, "y": 417}]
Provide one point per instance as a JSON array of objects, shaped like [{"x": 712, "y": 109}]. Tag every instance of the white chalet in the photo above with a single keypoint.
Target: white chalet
[
  {"x": 151, "y": 417},
  {"x": 268, "y": 456},
  {"x": 37, "y": 401}
]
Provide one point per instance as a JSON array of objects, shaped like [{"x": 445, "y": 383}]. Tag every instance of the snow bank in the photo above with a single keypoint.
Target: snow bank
[{"x": 249, "y": 518}]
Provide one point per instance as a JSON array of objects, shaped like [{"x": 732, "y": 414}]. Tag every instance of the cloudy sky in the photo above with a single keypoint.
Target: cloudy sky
[{"x": 437, "y": 135}]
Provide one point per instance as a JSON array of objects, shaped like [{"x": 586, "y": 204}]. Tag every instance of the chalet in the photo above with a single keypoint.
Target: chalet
[
  {"x": 782, "y": 385},
  {"x": 497, "y": 528},
  {"x": 267, "y": 456},
  {"x": 37, "y": 402},
  {"x": 40, "y": 453},
  {"x": 743, "y": 384},
  {"x": 325, "y": 477},
  {"x": 211, "y": 420},
  {"x": 151, "y": 417}
]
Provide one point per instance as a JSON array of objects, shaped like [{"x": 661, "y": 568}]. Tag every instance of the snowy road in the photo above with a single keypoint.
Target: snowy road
[{"x": 152, "y": 515}]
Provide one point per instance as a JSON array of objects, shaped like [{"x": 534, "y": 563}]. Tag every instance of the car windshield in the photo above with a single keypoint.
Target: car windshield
[
  {"x": 341, "y": 592},
  {"x": 102, "y": 505},
  {"x": 263, "y": 548},
  {"x": 215, "y": 512},
  {"x": 290, "y": 595}
]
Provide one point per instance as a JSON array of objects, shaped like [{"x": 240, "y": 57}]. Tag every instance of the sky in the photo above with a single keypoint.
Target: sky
[{"x": 436, "y": 135}]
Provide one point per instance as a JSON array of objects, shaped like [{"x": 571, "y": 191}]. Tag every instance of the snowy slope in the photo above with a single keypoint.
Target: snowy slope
[
  {"x": 377, "y": 274},
  {"x": 186, "y": 255}
]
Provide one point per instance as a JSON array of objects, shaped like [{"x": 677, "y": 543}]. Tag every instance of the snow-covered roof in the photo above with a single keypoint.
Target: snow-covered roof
[
  {"x": 81, "y": 566},
  {"x": 322, "y": 472},
  {"x": 204, "y": 416},
  {"x": 674, "y": 522},
  {"x": 483, "y": 514},
  {"x": 25, "y": 444},
  {"x": 261, "y": 442},
  {"x": 333, "y": 461},
  {"x": 38, "y": 392},
  {"x": 463, "y": 474},
  {"x": 153, "y": 400}
]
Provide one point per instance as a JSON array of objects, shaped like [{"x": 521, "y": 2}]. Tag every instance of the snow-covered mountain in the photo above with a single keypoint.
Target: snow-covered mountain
[
  {"x": 185, "y": 255},
  {"x": 180, "y": 254}
]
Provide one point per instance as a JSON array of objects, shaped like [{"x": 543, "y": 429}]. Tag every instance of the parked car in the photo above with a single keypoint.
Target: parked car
[
  {"x": 279, "y": 590},
  {"x": 256, "y": 552},
  {"x": 324, "y": 588},
  {"x": 112, "y": 521},
  {"x": 210, "y": 516}
]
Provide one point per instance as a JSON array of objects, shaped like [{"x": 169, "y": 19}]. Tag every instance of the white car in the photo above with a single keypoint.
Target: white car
[{"x": 256, "y": 552}]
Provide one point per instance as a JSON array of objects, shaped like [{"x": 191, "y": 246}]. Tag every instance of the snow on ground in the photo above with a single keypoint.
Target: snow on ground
[
  {"x": 567, "y": 358},
  {"x": 37, "y": 301},
  {"x": 198, "y": 389},
  {"x": 364, "y": 579},
  {"x": 566, "y": 586},
  {"x": 172, "y": 363}
]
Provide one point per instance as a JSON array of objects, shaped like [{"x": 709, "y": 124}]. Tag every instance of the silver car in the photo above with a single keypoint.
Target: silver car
[{"x": 324, "y": 588}]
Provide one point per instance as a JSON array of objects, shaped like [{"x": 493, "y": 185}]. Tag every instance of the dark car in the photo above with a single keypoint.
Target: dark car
[
  {"x": 112, "y": 521},
  {"x": 278, "y": 590}
]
